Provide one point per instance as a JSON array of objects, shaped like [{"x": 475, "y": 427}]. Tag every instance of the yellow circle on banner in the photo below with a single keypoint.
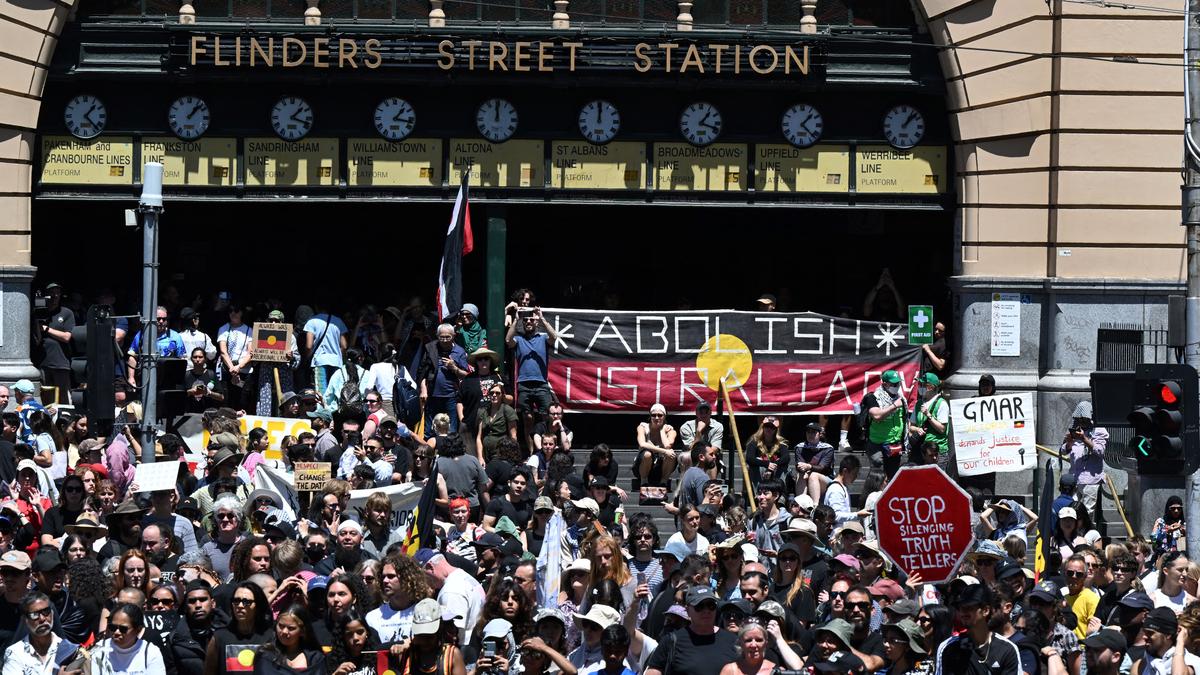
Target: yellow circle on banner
[
  {"x": 724, "y": 357},
  {"x": 388, "y": 672},
  {"x": 271, "y": 339},
  {"x": 246, "y": 657}
]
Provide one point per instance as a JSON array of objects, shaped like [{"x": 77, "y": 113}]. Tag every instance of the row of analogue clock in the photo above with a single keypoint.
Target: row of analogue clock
[{"x": 599, "y": 120}]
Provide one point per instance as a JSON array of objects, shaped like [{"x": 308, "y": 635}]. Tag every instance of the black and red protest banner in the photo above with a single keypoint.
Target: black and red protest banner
[{"x": 801, "y": 363}]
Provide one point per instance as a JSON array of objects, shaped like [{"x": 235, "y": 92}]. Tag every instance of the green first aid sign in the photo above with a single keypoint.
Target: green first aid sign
[{"x": 920, "y": 324}]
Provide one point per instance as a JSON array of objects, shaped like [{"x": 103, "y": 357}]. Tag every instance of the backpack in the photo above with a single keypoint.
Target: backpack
[
  {"x": 350, "y": 396},
  {"x": 406, "y": 398},
  {"x": 864, "y": 414}
]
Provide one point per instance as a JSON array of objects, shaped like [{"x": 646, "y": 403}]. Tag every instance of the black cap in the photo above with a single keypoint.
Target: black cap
[
  {"x": 186, "y": 313},
  {"x": 813, "y": 426},
  {"x": 1137, "y": 600},
  {"x": 48, "y": 558},
  {"x": 1107, "y": 638},
  {"x": 1006, "y": 568},
  {"x": 599, "y": 482},
  {"x": 841, "y": 662},
  {"x": 741, "y": 604},
  {"x": 189, "y": 504},
  {"x": 708, "y": 510},
  {"x": 1162, "y": 620}
]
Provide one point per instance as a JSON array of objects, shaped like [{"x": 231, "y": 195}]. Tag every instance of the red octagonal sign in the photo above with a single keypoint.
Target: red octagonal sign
[{"x": 923, "y": 521}]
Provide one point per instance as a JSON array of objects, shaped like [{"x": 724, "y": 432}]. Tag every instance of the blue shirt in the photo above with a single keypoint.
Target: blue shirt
[
  {"x": 532, "y": 363},
  {"x": 329, "y": 351},
  {"x": 169, "y": 344},
  {"x": 445, "y": 383}
]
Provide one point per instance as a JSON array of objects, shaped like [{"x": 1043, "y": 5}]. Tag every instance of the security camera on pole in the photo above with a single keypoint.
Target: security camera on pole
[{"x": 150, "y": 206}]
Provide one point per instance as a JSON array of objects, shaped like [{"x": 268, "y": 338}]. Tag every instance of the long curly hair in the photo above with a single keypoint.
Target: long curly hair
[
  {"x": 88, "y": 581},
  {"x": 411, "y": 577},
  {"x": 239, "y": 557},
  {"x": 522, "y": 623},
  {"x": 339, "y": 653},
  {"x": 357, "y": 589}
]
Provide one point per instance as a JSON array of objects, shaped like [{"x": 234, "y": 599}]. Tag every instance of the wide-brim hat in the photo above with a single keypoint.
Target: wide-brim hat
[
  {"x": 484, "y": 352},
  {"x": 224, "y": 455},
  {"x": 912, "y": 631},
  {"x": 86, "y": 525},
  {"x": 127, "y": 508}
]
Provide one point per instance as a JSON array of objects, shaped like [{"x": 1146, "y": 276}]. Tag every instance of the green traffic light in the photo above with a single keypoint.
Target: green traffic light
[{"x": 1141, "y": 446}]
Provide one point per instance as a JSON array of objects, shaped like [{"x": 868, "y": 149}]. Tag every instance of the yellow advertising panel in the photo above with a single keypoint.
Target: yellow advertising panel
[
  {"x": 413, "y": 162},
  {"x": 882, "y": 168},
  {"x": 579, "y": 165},
  {"x": 507, "y": 164},
  {"x": 786, "y": 168},
  {"x": 720, "y": 167},
  {"x": 99, "y": 161},
  {"x": 312, "y": 162},
  {"x": 204, "y": 161}
]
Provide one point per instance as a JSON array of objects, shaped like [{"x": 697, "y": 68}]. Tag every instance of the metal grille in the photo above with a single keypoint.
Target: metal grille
[{"x": 1121, "y": 347}]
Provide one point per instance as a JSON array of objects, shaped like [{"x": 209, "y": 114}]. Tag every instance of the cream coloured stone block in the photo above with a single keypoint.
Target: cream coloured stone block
[
  {"x": 1164, "y": 264},
  {"x": 1025, "y": 116},
  {"x": 18, "y": 111},
  {"x": 1105, "y": 111},
  {"x": 933, "y": 8},
  {"x": 1120, "y": 226},
  {"x": 1118, "y": 188},
  {"x": 1030, "y": 78},
  {"x": 14, "y": 213},
  {"x": 41, "y": 14},
  {"x": 1026, "y": 188},
  {"x": 16, "y": 76},
  {"x": 988, "y": 16},
  {"x": 1006, "y": 261},
  {"x": 1151, "y": 151},
  {"x": 1106, "y": 35},
  {"x": 20, "y": 41},
  {"x": 1008, "y": 225},
  {"x": 16, "y": 144},
  {"x": 1033, "y": 37},
  {"x": 1151, "y": 8},
  {"x": 16, "y": 177},
  {"x": 1006, "y": 154},
  {"x": 1093, "y": 75}
]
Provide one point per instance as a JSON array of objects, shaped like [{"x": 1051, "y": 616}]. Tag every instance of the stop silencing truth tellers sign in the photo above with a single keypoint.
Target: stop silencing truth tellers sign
[{"x": 923, "y": 522}]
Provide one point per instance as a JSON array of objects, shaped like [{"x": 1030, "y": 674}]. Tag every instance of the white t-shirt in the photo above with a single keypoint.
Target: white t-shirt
[
  {"x": 237, "y": 341},
  {"x": 391, "y": 624},
  {"x": 1176, "y": 602},
  {"x": 697, "y": 545},
  {"x": 463, "y": 595},
  {"x": 1162, "y": 665},
  {"x": 382, "y": 378}
]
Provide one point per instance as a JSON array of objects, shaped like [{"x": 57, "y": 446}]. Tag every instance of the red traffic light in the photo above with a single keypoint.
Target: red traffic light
[{"x": 1170, "y": 393}]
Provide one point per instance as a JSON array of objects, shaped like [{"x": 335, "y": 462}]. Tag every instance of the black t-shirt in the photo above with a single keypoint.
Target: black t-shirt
[
  {"x": 55, "y": 353},
  {"x": 872, "y": 645},
  {"x": 941, "y": 351},
  {"x": 694, "y": 654},
  {"x": 611, "y": 472},
  {"x": 472, "y": 394},
  {"x": 8, "y": 461},
  {"x": 403, "y": 462},
  {"x": 608, "y": 511},
  {"x": 209, "y": 379},
  {"x": 520, "y": 513},
  {"x": 56, "y": 521},
  {"x": 498, "y": 471},
  {"x": 959, "y": 655}
]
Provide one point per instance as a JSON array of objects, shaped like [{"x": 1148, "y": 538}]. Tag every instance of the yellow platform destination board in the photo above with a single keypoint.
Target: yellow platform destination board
[
  {"x": 508, "y": 164},
  {"x": 204, "y": 162},
  {"x": 579, "y": 165},
  {"x": 884, "y": 169},
  {"x": 271, "y": 162},
  {"x": 720, "y": 167},
  {"x": 99, "y": 161},
  {"x": 375, "y": 162},
  {"x": 786, "y": 168}
]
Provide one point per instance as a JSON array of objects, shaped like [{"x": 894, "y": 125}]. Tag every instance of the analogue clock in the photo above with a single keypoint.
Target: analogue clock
[
  {"x": 802, "y": 125},
  {"x": 904, "y": 126},
  {"x": 85, "y": 116},
  {"x": 395, "y": 118},
  {"x": 700, "y": 123},
  {"x": 188, "y": 117},
  {"x": 291, "y": 118},
  {"x": 496, "y": 119},
  {"x": 599, "y": 121}
]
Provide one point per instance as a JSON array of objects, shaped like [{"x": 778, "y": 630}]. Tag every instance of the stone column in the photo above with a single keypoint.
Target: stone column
[
  {"x": 16, "y": 305},
  {"x": 437, "y": 16},
  {"x": 685, "y": 16},
  {"x": 560, "y": 19},
  {"x": 808, "y": 22}
]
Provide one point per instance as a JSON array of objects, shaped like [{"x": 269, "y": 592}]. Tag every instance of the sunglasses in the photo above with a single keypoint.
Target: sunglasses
[
  {"x": 162, "y": 601},
  {"x": 864, "y": 605},
  {"x": 36, "y": 614},
  {"x": 841, "y": 595},
  {"x": 1075, "y": 575},
  {"x": 242, "y": 602},
  {"x": 120, "y": 628},
  {"x": 1124, "y": 568},
  {"x": 226, "y": 516},
  {"x": 706, "y": 607}
]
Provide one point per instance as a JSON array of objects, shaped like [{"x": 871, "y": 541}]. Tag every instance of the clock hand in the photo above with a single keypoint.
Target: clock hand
[
  {"x": 497, "y": 112},
  {"x": 598, "y": 120},
  {"x": 194, "y": 110},
  {"x": 910, "y": 118},
  {"x": 806, "y": 119},
  {"x": 88, "y": 115},
  {"x": 406, "y": 120}
]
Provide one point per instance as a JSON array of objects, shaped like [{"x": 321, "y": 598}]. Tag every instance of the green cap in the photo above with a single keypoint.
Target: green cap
[
  {"x": 891, "y": 377},
  {"x": 931, "y": 380}
]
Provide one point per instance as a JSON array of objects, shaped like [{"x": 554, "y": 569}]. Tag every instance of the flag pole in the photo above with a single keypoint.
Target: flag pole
[{"x": 737, "y": 441}]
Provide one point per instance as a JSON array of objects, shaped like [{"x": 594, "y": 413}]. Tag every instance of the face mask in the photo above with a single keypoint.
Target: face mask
[{"x": 892, "y": 389}]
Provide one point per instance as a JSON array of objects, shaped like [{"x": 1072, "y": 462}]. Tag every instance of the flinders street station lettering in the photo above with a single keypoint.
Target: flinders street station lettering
[{"x": 680, "y": 57}]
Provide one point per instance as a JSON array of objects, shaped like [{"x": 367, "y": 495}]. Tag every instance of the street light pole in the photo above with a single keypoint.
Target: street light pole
[
  {"x": 1191, "y": 221},
  {"x": 150, "y": 205}
]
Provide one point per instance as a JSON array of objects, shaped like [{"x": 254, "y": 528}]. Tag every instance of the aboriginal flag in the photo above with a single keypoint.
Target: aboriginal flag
[
  {"x": 271, "y": 341},
  {"x": 420, "y": 526},
  {"x": 240, "y": 658},
  {"x": 459, "y": 242},
  {"x": 1045, "y": 531}
]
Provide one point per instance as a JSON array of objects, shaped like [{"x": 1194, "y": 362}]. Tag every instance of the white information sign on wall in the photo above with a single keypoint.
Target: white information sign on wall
[{"x": 1006, "y": 324}]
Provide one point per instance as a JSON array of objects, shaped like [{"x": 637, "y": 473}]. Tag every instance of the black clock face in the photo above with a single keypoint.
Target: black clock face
[{"x": 85, "y": 116}]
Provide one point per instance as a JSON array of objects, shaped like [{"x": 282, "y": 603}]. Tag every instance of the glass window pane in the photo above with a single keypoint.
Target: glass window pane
[
  {"x": 660, "y": 11},
  {"x": 783, "y": 13}
]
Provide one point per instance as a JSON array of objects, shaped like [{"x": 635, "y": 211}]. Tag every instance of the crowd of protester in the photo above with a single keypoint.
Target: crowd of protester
[{"x": 540, "y": 562}]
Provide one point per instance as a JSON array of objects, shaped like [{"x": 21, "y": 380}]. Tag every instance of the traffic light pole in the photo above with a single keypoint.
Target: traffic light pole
[
  {"x": 1191, "y": 220},
  {"x": 151, "y": 206}
]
